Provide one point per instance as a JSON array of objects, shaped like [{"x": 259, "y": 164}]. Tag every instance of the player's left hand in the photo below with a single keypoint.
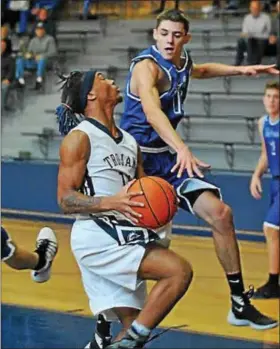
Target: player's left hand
[{"x": 259, "y": 69}]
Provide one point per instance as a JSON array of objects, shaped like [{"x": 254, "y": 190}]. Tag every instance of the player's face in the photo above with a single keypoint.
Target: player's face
[
  {"x": 271, "y": 101},
  {"x": 170, "y": 38},
  {"x": 106, "y": 89}
]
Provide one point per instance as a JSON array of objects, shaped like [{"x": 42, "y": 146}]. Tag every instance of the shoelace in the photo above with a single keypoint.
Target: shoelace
[
  {"x": 164, "y": 331},
  {"x": 47, "y": 246},
  {"x": 249, "y": 294}
]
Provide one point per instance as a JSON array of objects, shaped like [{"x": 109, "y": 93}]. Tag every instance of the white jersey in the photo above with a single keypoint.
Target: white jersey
[
  {"x": 108, "y": 247},
  {"x": 112, "y": 162}
]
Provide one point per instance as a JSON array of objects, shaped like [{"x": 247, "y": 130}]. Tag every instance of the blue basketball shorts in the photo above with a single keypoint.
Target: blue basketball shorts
[
  {"x": 188, "y": 189},
  {"x": 272, "y": 218},
  {"x": 7, "y": 246}
]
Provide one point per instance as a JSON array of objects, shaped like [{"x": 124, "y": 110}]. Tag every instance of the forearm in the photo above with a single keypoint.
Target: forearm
[
  {"x": 165, "y": 130},
  {"x": 75, "y": 202},
  {"x": 211, "y": 70},
  {"x": 261, "y": 166}
]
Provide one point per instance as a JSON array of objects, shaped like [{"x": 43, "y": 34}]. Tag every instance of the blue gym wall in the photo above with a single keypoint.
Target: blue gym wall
[{"x": 31, "y": 186}]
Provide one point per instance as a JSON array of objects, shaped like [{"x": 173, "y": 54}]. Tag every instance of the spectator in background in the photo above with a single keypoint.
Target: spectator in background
[
  {"x": 48, "y": 4},
  {"x": 7, "y": 72},
  {"x": 256, "y": 29},
  {"x": 5, "y": 36},
  {"x": 49, "y": 24},
  {"x": 41, "y": 48},
  {"x": 23, "y": 7},
  {"x": 162, "y": 6},
  {"x": 86, "y": 7},
  {"x": 274, "y": 38}
]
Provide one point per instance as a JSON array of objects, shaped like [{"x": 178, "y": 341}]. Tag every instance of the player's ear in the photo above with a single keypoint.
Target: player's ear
[
  {"x": 91, "y": 96},
  {"x": 187, "y": 38},
  {"x": 155, "y": 34}
]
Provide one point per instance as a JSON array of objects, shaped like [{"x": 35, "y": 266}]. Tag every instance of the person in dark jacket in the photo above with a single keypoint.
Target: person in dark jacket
[{"x": 7, "y": 72}]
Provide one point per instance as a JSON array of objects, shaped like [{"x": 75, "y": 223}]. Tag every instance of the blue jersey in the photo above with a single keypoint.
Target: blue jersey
[
  {"x": 271, "y": 134},
  {"x": 134, "y": 120}
]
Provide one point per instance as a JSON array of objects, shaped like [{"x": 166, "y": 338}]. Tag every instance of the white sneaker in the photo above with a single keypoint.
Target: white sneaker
[{"x": 46, "y": 243}]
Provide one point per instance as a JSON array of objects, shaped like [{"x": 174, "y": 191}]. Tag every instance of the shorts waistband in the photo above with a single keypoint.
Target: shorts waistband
[{"x": 154, "y": 150}]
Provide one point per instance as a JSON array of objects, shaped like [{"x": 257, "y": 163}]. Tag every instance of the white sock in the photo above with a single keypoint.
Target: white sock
[
  {"x": 140, "y": 329},
  {"x": 21, "y": 80},
  {"x": 39, "y": 79}
]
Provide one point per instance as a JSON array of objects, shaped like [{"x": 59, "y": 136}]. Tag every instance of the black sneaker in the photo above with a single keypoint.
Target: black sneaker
[
  {"x": 102, "y": 336},
  {"x": 127, "y": 343},
  {"x": 267, "y": 291},
  {"x": 243, "y": 313}
]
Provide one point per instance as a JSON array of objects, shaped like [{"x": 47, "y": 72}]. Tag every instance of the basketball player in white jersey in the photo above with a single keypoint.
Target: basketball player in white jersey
[{"x": 98, "y": 163}]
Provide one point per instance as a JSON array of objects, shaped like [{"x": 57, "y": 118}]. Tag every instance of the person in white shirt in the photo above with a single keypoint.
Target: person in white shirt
[{"x": 256, "y": 29}]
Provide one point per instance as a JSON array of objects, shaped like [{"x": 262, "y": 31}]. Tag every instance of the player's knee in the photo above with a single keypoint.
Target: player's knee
[
  {"x": 223, "y": 213},
  {"x": 183, "y": 277},
  {"x": 271, "y": 233}
]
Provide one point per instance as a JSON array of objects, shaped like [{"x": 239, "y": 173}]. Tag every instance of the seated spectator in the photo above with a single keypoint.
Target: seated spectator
[
  {"x": 41, "y": 48},
  {"x": 50, "y": 25},
  {"x": 5, "y": 36},
  {"x": 7, "y": 72},
  {"x": 256, "y": 29},
  {"x": 273, "y": 48}
]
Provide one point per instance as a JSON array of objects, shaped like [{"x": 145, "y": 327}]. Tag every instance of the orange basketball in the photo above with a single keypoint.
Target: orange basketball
[{"x": 160, "y": 201}]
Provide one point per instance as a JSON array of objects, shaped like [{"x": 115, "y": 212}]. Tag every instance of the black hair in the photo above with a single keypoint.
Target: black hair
[
  {"x": 174, "y": 15},
  {"x": 70, "y": 112}
]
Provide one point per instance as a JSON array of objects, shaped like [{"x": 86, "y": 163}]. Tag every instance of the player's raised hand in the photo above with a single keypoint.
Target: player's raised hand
[
  {"x": 123, "y": 202},
  {"x": 259, "y": 69},
  {"x": 256, "y": 187},
  {"x": 187, "y": 161}
]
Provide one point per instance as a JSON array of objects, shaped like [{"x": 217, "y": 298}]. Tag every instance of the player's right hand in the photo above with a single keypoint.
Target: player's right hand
[
  {"x": 187, "y": 161},
  {"x": 123, "y": 202},
  {"x": 256, "y": 187}
]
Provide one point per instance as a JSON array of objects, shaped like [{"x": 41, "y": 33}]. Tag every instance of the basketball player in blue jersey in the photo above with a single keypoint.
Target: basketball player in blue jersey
[
  {"x": 156, "y": 88},
  {"x": 39, "y": 261},
  {"x": 269, "y": 128},
  {"x": 115, "y": 257}
]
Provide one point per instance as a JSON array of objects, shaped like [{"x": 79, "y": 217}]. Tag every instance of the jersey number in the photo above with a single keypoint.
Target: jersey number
[
  {"x": 179, "y": 98},
  {"x": 125, "y": 178},
  {"x": 273, "y": 148}
]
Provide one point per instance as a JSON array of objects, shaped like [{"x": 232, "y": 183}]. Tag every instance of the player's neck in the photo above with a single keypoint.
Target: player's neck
[
  {"x": 104, "y": 115},
  {"x": 178, "y": 62},
  {"x": 274, "y": 116}
]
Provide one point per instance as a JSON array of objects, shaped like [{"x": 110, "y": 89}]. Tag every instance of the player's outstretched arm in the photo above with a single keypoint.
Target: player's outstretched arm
[
  {"x": 74, "y": 155},
  {"x": 213, "y": 70},
  {"x": 256, "y": 186},
  {"x": 145, "y": 79}
]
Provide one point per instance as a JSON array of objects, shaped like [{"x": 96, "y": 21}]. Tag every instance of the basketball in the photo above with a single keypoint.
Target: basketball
[{"x": 160, "y": 201}]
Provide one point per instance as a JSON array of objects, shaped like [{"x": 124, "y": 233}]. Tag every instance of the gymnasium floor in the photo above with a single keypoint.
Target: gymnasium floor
[{"x": 56, "y": 314}]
